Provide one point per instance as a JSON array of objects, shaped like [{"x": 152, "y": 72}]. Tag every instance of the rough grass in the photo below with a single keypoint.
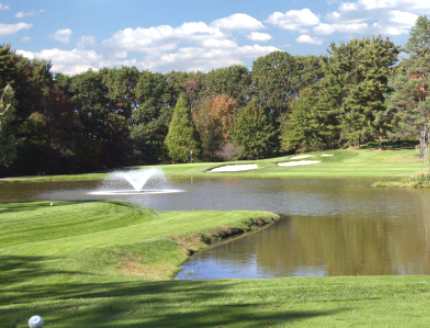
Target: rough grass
[
  {"x": 345, "y": 163},
  {"x": 91, "y": 265},
  {"x": 417, "y": 181}
]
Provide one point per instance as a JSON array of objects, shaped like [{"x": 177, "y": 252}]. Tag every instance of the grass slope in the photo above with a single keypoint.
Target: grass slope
[
  {"x": 88, "y": 265},
  {"x": 344, "y": 163}
]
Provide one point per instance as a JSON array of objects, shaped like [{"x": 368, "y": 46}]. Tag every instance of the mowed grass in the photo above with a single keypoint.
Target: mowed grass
[
  {"x": 341, "y": 163},
  {"x": 344, "y": 163},
  {"x": 104, "y": 265}
]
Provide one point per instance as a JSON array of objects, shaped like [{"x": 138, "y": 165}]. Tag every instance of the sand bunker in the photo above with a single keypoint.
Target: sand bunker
[
  {"x": 298, "y": 163},
  {"x": 299, "y": 157},
  {"x": 235, "y": 168},
  {"x": 327, "y": 155}
]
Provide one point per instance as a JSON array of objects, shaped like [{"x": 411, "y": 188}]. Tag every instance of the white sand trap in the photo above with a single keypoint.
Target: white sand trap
[
  {"x": 298, "y": 163},
  {"x": 327, "y": 155},
  {"x": 235, "y": 168},
  {"x": 301, "y": 157}
]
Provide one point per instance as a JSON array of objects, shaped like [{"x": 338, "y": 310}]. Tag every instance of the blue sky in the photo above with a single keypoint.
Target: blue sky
[{"x": 190, "y": 35}]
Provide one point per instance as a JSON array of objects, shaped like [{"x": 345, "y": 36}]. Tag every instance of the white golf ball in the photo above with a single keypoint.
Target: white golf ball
[{"x": 35, "y": 321}]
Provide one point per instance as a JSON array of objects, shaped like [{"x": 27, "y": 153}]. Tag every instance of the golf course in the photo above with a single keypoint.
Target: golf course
[{"x": 111, "y": 264}]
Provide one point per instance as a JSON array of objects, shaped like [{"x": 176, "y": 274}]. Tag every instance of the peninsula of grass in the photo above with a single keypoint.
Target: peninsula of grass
[
  {"x": 363, "y": 163},
  {"x": 106, "y": 265}
]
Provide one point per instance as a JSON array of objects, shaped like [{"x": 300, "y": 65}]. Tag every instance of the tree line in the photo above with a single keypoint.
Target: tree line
[{"x": 365, "y": 91}]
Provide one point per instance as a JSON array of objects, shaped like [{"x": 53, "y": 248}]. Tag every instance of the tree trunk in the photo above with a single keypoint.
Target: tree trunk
[{"x": 424, "y": 143}]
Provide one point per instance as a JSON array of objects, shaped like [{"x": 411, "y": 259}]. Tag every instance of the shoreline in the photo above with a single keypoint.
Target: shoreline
[
  {"x": 388, "y": 164},
  {"x": 224, "y": 236}
]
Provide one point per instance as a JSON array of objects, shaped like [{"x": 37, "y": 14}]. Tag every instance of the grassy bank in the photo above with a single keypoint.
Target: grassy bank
[
  {"x": 93, "y": 265},
  {"x": 115, "y": 239},
  {"x": 387, "y": 164},
  {"x": 417, "y": 181}
]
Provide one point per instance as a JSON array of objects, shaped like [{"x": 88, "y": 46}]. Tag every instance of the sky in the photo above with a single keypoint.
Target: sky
[{"x": 190, "y": 35}]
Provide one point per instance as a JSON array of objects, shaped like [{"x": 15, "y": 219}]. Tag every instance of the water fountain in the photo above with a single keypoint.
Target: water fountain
[{"x": 146, "y": 181}]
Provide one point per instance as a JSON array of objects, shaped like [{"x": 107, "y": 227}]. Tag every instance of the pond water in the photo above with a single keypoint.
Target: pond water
[{"x": 329, "y": 226}]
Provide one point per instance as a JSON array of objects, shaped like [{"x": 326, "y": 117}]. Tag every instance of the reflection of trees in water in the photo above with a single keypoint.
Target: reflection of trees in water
[
  {"x": 342, "y": 245},
  {"x": 356, "y": 230},
  {"x": 348, "y": 245}
]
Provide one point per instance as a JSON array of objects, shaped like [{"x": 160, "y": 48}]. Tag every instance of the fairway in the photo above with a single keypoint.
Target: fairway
[{"x": 378, "y": 164}]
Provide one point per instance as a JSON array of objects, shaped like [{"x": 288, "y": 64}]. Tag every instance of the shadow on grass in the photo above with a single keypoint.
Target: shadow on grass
[
  {"x": 23, "y": 270},
  {"x": 30, "y": 287}
]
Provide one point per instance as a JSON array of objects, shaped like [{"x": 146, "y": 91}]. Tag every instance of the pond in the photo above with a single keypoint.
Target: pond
[{"x": 329, "y": 226}]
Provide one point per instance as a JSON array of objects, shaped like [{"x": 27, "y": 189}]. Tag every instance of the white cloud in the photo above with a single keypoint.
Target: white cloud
[
  {"x": 348, "y": 6},
  {"x": 190, "y": 46},
  {"x": 238, "y": 21},
  {"x": 23, "y": 14},
  {"x": 63, "y": 35},
  {"x": 353, "y": 26},
  {"x": 404, "y": 18},
  {"x": 8, "y": 29},
  {"x": 391, "y": 4},
  {"x": 194, "y": 58},
  {"x": 67, "y": 61},
  {"x": 294, "y": 20},
  {"x": 399, "y": 4},
  {"x": 308, "y": 39},
  {"x": 399, "y": 22},
  {"x": 259, "y": 37},
  {"x": 87, "y": 41},
  {"x": 4, "y": 7},
  {"x": 386, "y": 17},
  {"x": 163, "y": 37}
]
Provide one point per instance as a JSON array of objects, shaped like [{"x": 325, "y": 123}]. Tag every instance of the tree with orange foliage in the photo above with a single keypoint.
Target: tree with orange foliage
[{"x": 213, "y": 117}]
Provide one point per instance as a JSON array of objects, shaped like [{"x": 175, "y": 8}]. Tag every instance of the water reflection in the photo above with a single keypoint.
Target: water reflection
[{"x": 385, "y": 243}]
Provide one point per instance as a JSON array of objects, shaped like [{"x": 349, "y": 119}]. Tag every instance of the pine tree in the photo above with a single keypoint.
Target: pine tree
[
  {"x": 355, "y": 88},
  {"x": 254, "y": 133},
  {"x": 7, "y": 66},
  {"x": 411, "y": 99},
  {"x": 182, "y": 141},
  {"x": 301, "y": 128}
]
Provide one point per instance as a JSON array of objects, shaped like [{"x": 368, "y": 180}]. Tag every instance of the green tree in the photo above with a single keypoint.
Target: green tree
[
  {"x": 418, "y": 45},
  {"x": 103, "y": 133},
  {"x": 274, "y": 80},
  {"x": 7, "y": 66},
  {"x": 149, "y": 127},
  {"x": 254, "y": 133},
  {"x": 182, "y": 141},
  {"x": 411, "y": 99},
  {"x": 7, "y": 137},
  {"x": 233, "y": 81},
  {"x": 121, "y": 85},
  {"x": 356, "y": 85},
  {"x": 301, "y": 127},
  {"x": 150, "y": 120}
]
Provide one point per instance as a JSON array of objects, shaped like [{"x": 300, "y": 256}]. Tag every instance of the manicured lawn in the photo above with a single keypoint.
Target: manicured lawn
[
  {"x": 104, "y": 265},
  {"x": 344, "y": 163}
]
